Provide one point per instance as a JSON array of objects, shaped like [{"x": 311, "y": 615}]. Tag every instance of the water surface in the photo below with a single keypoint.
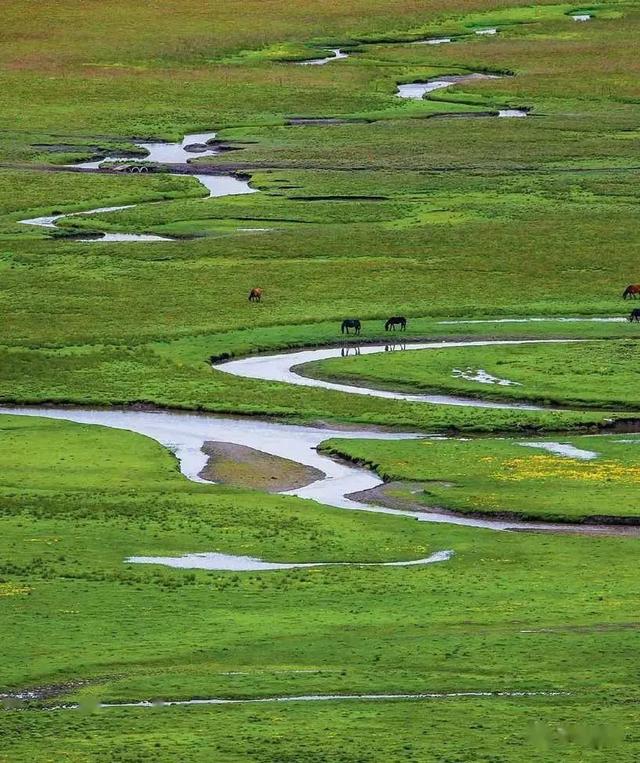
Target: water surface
[
  {"x": 417, "y": 90},
  {"x": 562, "y": 449},
  {"x": 288, "y": 367},
  {"x": 159, "y": 153},
  {"x": 337, "y": 55},
  {"x": 231, "y": 562}
]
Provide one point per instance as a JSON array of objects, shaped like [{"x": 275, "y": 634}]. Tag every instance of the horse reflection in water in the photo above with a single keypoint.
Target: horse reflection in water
[
  {"x": 349, "y": 350},
  {"x": 395, "y": 346}
]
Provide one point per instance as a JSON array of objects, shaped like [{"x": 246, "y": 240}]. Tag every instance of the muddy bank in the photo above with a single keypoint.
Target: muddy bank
[
  {"x": 49, "y": 691},
  {"x": 293, "y": 121},
  {"x": 242, "y": 466},
  {"x": 405, "y": 496}
]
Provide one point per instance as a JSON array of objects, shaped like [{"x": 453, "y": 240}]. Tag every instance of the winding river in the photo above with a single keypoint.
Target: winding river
[
  {"x": 417, "y": 90},
  {"x": 286, "y": 367},
  {"x": 167, "y": 154},
  {"x": 186, "y": 433},
  {"x": 337, "y": 55}
]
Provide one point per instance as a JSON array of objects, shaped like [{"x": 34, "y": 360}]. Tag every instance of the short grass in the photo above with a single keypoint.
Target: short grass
[
  {"x": 584, "y": 373},
  {"x": 495, "y": 476},
  {"x": 470, "y": 217},
  {"x": 76, "y": 500}
]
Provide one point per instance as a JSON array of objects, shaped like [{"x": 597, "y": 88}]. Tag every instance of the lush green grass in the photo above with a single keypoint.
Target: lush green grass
[
  {"x": 487, "y": 731},
  {"x": 177, "y": 374},
  {"x": 76, "y": 500},
  {"x": 474, "y": 217},
  {"x": 590, "y": 373},
  {"x": 500, "y": 475},
  {"x": 26, "y": 195}
]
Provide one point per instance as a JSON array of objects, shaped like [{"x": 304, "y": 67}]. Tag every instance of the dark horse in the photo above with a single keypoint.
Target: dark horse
[
  {"x": 634, "y": 315},
  {"x": 350, "y": 323},
  {"x": 255, "y": 295},
  {"x": 631, "y": 291},
  {"x": 396, "y": 320}
]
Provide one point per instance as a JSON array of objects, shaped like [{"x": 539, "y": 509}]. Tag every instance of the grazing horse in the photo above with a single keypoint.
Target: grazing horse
[
  {"x": 350, "y": 323},
  {"x": 255, "y": 295},
  {"x": 634, "y": 315},
  {"x": 631, "y": 291},
  {"x": 396, "y": 320}
]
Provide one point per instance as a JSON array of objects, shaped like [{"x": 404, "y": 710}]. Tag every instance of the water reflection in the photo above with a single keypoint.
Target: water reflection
[
  {"x": 394, "y": 346},
  {"x": 350, "y": 349}
]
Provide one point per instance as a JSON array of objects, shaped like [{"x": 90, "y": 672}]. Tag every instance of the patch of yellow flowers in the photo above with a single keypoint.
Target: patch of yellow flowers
[
  {"x": 11, "y": 589},
  {"x": 552, "y": 467}
]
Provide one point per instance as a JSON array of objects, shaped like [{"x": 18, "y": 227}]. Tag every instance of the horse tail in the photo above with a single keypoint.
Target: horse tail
[
  {"x": 342, "y": 328},
  {"x": 625, "y": 293}
]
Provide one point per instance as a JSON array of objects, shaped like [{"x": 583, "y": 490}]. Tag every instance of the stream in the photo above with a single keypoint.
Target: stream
[
  {"x": 320, "y": 698},
  {"x": 288, "y": 367},
  {"x": 199, "y": 144},
  {"x": 180, "y": 153},
  {"x": 185, "y": 434},
  {"x": 418, "y": 90},
  {"x": 337, "y": 55}
]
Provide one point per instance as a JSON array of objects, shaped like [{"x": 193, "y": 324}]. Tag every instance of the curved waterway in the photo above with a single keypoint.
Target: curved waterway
[
  {"x": 289, "y": 367},
  {"x": 418, "y": 90},
  {"x": 337, "y": 55},
  {"x": 185, "y": 434},
  {"x": 181, "y": 153}
]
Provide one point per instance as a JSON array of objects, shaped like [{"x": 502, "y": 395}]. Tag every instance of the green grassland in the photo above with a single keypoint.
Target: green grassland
[
  {"x": 584, "y": 373},
  {"x": 409, "y": 207},
  {"x": 177, "y": 374},
  {"x": 77, "y": 500},
  {"x": 495, "y": 476}
]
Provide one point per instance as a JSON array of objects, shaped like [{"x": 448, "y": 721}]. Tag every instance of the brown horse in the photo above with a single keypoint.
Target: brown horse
[
  {"x": 255, "y": 295},
  {"x": 631, "y": 291}
]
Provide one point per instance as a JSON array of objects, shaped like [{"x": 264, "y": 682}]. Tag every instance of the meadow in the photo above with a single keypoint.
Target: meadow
[
  {"x": 585, "y": 373},
  {"x": 77, "y": 500},
  {"x": 512, "y": 477},
  {"x": 435, "y": 209}
]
